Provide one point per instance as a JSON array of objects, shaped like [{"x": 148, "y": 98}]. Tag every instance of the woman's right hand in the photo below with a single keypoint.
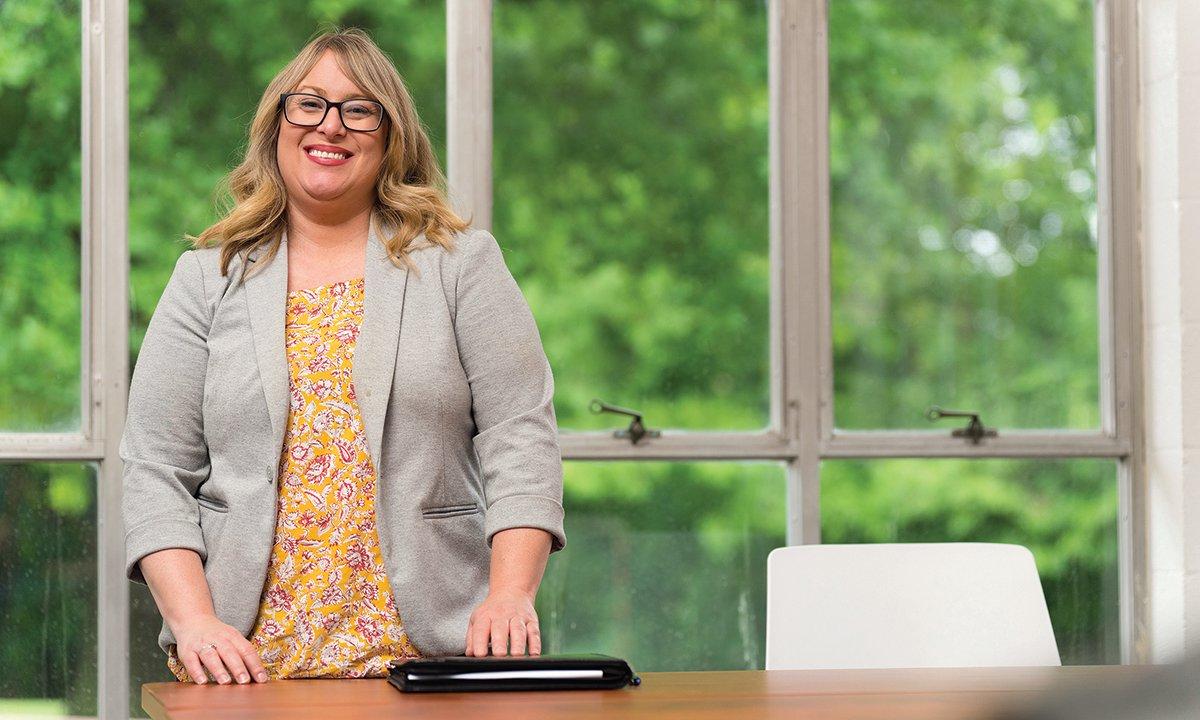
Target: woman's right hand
[
  {"x": 176, "y": 580},
  {"x": 205, "y": 643}
]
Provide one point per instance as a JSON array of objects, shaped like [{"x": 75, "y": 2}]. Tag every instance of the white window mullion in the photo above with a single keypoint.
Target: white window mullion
[
  {"x": 941, "y": 444},
  {"x": 34, "y": 447},
  {"x": 677, "y": 445},
  {"x": 1118, "y": 196},
  {"x": 105, "y": 303},
  {"x": 799, "y": 150},
  {"x": 469, "y": 108}
]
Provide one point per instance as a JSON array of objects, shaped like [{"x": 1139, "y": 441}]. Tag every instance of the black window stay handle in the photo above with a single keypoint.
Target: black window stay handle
[
  {"x": 975, "y": 431},
  {"x": 637, "y": 429}
]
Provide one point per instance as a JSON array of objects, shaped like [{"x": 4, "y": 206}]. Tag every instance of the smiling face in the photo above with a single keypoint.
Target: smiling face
[{"x": 327, "y": 185}]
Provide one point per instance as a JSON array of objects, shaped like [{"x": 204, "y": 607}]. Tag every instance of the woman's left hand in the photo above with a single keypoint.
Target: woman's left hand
[{"x": 507, "y": 619}]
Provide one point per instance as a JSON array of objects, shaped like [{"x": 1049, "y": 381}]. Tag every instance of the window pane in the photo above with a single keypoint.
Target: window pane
[
  {"x": 631, "y": 197},
  {"x": 147, "y": 663},
  {"x": 1065, "y": 512},
  {"x": 40, "y": 232},
  {"x": 665, "y": 563},
  {"x": 963, "y": 212},
  {"x": 48, "y": 590},
  {"x": 187, "y": 128}
]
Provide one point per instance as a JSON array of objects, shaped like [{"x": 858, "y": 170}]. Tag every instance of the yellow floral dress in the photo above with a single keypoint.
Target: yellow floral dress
[{"x": 327, "y": 608}]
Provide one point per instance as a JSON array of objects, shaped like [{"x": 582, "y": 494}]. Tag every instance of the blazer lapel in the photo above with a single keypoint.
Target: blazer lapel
[
  {"x": 376, "y": 346},
  {"x": 378, "y": 339},
  {"x": 266, "y": 301}
]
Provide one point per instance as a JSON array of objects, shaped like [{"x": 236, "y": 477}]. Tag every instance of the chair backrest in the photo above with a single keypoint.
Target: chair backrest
[{"x": 906, "y": 605}]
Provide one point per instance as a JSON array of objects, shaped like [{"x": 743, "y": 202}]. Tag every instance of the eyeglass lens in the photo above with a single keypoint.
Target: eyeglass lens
[{"x": 356, "y": 114}]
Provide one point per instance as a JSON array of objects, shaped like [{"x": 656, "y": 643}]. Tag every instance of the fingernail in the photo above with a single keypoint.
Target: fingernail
[
  {"x": 224, "y": 678},
  {"x": 201, "y": 681},
  {"x": 243, "y": 678},
  {"x": 262, "y": 677}
]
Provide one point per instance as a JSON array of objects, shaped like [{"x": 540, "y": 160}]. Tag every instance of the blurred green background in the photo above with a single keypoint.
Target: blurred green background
[{"x": 631, "y": 199}]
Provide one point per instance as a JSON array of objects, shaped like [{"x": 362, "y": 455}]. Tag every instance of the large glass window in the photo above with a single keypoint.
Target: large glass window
[
  {"x": 631, "y": 191},
  {"x": 631, "y": 199},
  {"x": 48, "y": 590},
  {"x": 40, "y": 61},
  {"x": 964, "y": 234},
  {"x": 964, "y": 274},
  {"x": 665, "y": 563},
  {"x": 1064, "y": 511}
]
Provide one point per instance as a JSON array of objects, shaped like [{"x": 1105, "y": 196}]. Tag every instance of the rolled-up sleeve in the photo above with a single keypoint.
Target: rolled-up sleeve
[
  {"x": 512, "y": 393},
  {"x": 163, "y": 447}
]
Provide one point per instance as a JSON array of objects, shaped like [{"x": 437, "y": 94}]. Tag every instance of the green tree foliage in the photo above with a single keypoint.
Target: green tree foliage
[
  {"x": 39, "y": 215},
  {"x": 631, "y": 185},
  {"x": 48, "y": 585},
  {"x": 964, "y": 272},
  {"x": 963, "y": 182},
  {"x": 631, "y": 194}
]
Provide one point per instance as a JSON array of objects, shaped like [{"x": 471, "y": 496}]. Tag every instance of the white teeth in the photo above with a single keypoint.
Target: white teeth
[{"x": 322, "y": 153}]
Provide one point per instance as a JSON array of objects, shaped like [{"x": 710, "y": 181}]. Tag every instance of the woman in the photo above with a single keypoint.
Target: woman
[{"x": 341, "y": 447}]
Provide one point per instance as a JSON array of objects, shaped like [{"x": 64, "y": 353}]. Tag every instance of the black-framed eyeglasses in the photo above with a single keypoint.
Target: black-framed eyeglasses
[{"x": 309, "y": 110}]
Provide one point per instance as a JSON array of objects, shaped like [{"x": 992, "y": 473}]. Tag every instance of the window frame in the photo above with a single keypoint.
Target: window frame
[
  {"x": 801, "y": 432},
  {"x": 1118, "y": 299},
  {"x": 105, "y": 246}
]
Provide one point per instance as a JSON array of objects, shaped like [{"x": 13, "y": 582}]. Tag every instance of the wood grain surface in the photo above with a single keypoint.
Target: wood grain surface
[{"x": 929, "y": 694}]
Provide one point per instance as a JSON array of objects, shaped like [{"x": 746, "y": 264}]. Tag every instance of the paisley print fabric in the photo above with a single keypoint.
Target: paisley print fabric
[{"x": 327, "y": 608}]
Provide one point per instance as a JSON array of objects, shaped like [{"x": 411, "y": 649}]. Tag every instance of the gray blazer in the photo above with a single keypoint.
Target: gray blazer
[{"x": 456, "y": 397}]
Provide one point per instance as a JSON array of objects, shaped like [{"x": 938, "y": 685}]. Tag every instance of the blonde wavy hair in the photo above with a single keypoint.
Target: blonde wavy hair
[{"x": 410, "y": 193}]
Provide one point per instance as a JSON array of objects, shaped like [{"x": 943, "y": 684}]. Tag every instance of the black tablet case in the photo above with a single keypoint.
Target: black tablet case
[{"x": 433, "y": 673}]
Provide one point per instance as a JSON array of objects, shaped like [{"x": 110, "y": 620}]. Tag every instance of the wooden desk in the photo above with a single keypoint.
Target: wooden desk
[{"x": 928, "y": 694}]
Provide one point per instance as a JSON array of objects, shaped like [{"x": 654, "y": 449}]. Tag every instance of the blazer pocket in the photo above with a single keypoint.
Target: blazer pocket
[
  {"x": 449, "y": 511},
  {"x": 212, "y": 504}
]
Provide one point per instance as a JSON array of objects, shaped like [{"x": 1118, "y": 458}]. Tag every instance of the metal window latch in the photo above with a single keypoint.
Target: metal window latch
[
  {"x": 975, "y": 432},
  {"x": 637, "y": 429}
]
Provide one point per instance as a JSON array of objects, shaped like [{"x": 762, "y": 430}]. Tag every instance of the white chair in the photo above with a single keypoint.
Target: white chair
[{"x": 906, "y": 606}]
